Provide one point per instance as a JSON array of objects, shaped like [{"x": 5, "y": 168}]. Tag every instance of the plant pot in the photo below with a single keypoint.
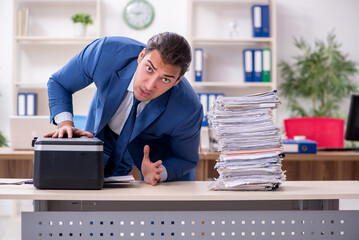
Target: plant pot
[
  {"x": 327, "y": 132},
  {"x": 79, "y": 29}
]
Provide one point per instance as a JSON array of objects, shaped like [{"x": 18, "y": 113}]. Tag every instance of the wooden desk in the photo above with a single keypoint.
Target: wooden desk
[
  {"x": 320, "y": 166},
  {"x": 19, "y": 164},
  {"x": 186, "y": 210},
  {"x": 189, "y": 191},
  {"x": 16, "y": 164}
]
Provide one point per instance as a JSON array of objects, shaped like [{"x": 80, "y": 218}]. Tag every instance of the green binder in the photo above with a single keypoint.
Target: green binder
[{"x": 266, "y": 64}]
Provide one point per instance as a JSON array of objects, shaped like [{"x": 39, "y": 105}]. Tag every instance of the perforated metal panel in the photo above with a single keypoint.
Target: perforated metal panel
[{"x": 191, "y": 225}]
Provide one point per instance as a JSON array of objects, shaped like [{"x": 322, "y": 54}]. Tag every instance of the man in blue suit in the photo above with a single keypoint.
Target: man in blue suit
[{"x": 144, "y": 110}]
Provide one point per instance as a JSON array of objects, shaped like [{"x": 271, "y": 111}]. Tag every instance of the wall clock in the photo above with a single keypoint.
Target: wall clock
[{"x": 138, "y": 14}]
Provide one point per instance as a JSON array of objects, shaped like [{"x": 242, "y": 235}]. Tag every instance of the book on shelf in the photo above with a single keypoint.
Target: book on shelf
[{"x": 23, "y": 22}]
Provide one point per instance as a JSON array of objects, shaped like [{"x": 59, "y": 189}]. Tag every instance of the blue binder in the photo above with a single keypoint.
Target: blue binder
[
  {"x": 21, "y": 104},
  {"x": 265, "y": 21},
  {"x": 257, "y": 20},
  {"x": 299, "y": 146},
  {"x": 203, "y": 97},
  {"x": 31, "y": 104},
  {"x": 257, "y": 65},
  {"x": 260, "y": 21},
  {"x": 248, "y": 65},
  {"x": 198, "y": 64}
]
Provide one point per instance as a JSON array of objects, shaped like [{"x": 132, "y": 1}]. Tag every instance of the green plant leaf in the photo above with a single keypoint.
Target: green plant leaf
[
  {"x": 3, "y": 141},
  {"x": 321, "y": 74},
  {"x": 83, "y": 18}
]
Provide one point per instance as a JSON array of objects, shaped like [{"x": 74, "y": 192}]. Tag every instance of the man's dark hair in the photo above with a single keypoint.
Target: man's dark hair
[{"x": 174, "y": 49}]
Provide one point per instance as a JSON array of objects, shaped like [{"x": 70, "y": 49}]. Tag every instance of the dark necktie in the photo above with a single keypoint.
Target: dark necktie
[
  {"x": 127, "y": 129},
  {"x": 120, "y": 145}
]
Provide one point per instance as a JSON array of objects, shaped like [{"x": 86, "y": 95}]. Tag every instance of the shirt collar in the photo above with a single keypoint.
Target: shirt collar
[{"x": 130, "y": 86}]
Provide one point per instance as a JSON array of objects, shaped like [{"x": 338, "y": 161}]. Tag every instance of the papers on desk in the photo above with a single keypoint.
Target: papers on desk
[
  {"x": 250, "y": 143},
  {"x": 119, "y": 179},
  {"x": 14, "y": 181}
]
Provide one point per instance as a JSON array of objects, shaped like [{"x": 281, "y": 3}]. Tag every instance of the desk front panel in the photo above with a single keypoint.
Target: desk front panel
[{"x": 178, "y": 225}]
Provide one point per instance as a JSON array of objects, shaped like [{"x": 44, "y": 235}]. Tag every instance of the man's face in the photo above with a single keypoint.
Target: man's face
[{"x": 153, "y": 77}]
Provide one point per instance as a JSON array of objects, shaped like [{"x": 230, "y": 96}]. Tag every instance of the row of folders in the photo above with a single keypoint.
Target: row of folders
[
  {"x": 256, "y": 65},
  {"x": 26, "y": 104}
]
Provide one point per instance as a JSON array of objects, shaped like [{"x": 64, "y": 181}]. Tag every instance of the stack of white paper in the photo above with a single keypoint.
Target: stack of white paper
[{"x": 250, "y": 143}]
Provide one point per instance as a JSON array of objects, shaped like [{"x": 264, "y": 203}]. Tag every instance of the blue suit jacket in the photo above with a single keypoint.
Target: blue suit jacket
[{"x": 169, "y": 124}]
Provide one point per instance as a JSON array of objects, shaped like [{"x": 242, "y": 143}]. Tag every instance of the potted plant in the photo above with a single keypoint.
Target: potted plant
[
  {"x": 81, "y": 20},
  {"x": 319, "y": 79},
  {"x": 3, "y": 141}
]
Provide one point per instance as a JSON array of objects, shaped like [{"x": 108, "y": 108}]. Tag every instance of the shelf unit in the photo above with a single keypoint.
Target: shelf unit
[
  {"x": 48, "y": 44},
  {"x": 208, "y": 25}
]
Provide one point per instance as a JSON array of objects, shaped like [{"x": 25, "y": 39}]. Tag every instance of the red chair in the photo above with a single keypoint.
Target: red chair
[{"x": 327, "y": 132}]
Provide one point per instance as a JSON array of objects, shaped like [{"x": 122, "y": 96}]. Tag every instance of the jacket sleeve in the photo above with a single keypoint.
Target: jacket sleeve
[
  {"x": 74, "y": 76},
  {"x": 184, "y": 143}
]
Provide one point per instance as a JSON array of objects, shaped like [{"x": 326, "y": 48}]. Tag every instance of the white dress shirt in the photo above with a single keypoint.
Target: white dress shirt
[{"x": 119, "y": 119}]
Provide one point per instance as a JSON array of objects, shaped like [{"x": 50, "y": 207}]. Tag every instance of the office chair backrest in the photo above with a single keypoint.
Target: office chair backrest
[{"x": 327, "y": 132}]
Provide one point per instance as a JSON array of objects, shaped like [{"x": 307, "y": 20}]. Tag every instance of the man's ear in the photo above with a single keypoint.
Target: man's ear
[
  {"x": 178, "y": 80},
  {"x": 141, "y": 55}
]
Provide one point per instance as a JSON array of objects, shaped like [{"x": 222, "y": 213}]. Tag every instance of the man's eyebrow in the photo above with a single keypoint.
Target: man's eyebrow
[
  {"x": 169, "y": 76},
  {"x": 151, "y": 64}
]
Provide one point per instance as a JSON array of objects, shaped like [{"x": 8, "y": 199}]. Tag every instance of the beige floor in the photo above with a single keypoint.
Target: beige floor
[{"x": 10, "y": 228}]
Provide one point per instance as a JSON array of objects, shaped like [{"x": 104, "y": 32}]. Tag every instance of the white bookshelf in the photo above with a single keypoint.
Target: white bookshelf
[
  {"x": 47, "y": 44},
  {"x": 231, "y": 84},
  {"x": 208, "y": 26},
  {"x": 205, "y": 41},
  {"x": 79, "y": 40}
]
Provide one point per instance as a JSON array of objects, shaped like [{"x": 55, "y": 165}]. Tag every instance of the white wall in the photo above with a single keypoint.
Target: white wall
[
  {"x": 169, "y": 16},
  {"x": 308, "y": 18}
]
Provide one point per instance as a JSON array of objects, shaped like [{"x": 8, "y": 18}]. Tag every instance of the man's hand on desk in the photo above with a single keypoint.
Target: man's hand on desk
[
  {"x": 151, "y": 171},
  {"x": 68, "y": 128}
]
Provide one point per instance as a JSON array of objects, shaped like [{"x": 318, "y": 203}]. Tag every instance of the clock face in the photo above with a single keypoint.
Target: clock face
[{"x": 138, "y": 14}]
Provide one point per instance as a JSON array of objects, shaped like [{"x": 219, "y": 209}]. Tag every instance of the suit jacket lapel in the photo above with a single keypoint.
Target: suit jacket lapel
[
  {"x": 150, "y": 113},
  {"x": 116, "y": 92}
]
